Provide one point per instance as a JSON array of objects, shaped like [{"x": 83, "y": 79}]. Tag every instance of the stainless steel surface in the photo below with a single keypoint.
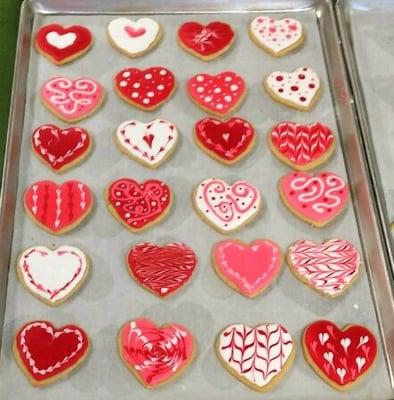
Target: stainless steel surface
[{"x": 206, "y": 305}]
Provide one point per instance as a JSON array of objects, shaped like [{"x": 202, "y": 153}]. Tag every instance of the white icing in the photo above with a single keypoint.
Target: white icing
[{"x": 60, "y": 41}]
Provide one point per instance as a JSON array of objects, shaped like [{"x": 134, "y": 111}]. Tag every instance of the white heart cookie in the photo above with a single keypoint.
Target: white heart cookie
[
  {"x": 134, "y": 37},
  {"x": 298, "y": 89},
  {"x": 61, "y": 41},
  {"x": 278, "y": 37},
  {"x": 149, "y": 143},
  {"x": 52, "y": 275}
]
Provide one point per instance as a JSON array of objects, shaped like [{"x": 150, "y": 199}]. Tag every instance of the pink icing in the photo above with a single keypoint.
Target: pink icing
[{"x": 134, "y": 32}]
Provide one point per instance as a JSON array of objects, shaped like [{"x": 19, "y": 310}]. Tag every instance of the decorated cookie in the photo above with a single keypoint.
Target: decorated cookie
[
  {"x": 62, "y": 45},
  {"x": 52, "y": 276},
  {"x": 226, "y": 207},
  {"x": 339, "y": 356},
  {"x": 302, "y": 147},
  {"x": 329, "y": 267},
  {"x": 161, "y": 269},
  {"x": 146, "y": 89},
  {"x": 72, "y": 99},
  {"x": 205, "y": 41},
  {"x": 259, "y": 357},
  {"x": 138, "y": 205},
  {"x": 134, "y": 38},
  {"x": 155, "y": 355},
  {"x": 61, "y": 149},
  {"x": 316, "y": 199},
  {"x": 46, "y": 353},
  {"x": 278, "y": 37},
  {"x": 227, "y": 142},
  {"x": 148, "y": 143},
  {"x": 249, "y": 269},
  {"x": 299, "y": 89},
  {"x": 58, "y": 208},
  {"x": 217, "y": 94}
]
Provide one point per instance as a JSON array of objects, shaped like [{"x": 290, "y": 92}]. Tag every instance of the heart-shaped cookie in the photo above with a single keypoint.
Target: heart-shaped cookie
[
  {"x": 72, "y": 99},
  {"x": 161, "y": 270},
  {"x": 259, "y": 357},
  {"x": 155, "y": 355},
  {"x": 60, "y": 149},
  {"x": 329, "y": 267},
  {"x": 226, "y": 207},
  {"x": 302, "y": 147},
  {"x": 299, "y": 89},
  {"x": 278, "y": 37},
  {"x": 148, "y": 143},
  {"x": 218, "y": 94},
  {"x": 249, "y": 269},
  {"x": 316, "y": 199},
  {"x": 138, "y": 205},
  {"x": 146, "y": 89},
  {"x": 227, "y": 141},
  {"x": 339, "y": 356},
  {"x": 58, "y": 208},
  {"x": 205, "y": 41},
  {"x": 62, "y": 45},
  {"x": 134, "y": 38},
  {"x": 52, "y": 276},
  {"x": 46, "y": 353}
]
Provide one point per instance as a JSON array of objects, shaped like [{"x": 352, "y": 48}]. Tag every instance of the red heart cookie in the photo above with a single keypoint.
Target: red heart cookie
[
  {"x": 154, "y": 354},
  {"x": 59, "y": 148},
  {"x": 147, "y": 88},
  {"x": 62, "y": 45},
  {"x": 205, "y": 41},
  {"x": 58, "y": 208},
  {"x": 218, "y": 94},
  {"x": 162, "y": 270},
  {"x": 302, "y": 147},
  {"x": 45, "y": 353},
  {"x": 138, "y": 205},
  {"x": 227, "y": 141},
  {"x": 338, "y": 356}
]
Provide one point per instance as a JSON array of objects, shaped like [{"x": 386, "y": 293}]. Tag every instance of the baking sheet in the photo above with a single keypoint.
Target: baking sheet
[{"x": 206, "y": 305}]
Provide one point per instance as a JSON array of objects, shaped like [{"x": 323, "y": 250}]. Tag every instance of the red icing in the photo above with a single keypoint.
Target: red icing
[
  {"x": 58, "y": 148},
  {"x": 228, "y": 140},
  {"x": 82, "y": 41},
  {"x": 139, "y": 205},
  {"x": 162, "y": 269},
  {"x": 58, "y": 207},
  {"x": 340, "y": 355},
  {"x": 46, "y": 351},
  {"x": 205, "y": 40},
  {"x": 146, "y": 88},
  {"x": 134, "y": 32}
]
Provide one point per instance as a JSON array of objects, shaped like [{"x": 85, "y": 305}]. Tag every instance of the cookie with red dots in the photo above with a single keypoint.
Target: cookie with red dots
[{"x": 299, "y": 89}]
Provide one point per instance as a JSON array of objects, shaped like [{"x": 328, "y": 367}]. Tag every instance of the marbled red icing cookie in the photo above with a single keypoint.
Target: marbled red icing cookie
[
  {"x": 339, "y": 356},
  {"x": 161, "y": 269},
  {"x": 138, "y": 205},
  {"x": 46, "y": 353},
  {"x": 205, "y": 41},
  {"x": 302, "y": 147},
  {"x": 227, "y": 142},
  {"x": 155, "y": 355},
  {"x": 217, "y": 94},
  {"x": 61, "y": 149},
  {"x": 63, "y": 44},
  {"x": 58, "y": 208},
  {"x": 146, "y": 88}
]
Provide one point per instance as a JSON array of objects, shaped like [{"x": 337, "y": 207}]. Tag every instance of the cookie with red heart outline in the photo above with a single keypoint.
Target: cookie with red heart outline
[
  {"x": 61, "y": 44},
  {"x": 205, "y": 42}
]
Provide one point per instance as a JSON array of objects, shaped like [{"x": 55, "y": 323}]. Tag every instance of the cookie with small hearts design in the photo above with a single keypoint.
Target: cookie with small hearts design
[
  {"x": 341, "y": 357},
  {"x": 299, "y": 89}
]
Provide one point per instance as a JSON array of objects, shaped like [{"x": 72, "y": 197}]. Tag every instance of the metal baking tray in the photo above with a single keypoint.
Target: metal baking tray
[
  {"x": 206, "y": 305},
  {"x": 366, "y": 27}
]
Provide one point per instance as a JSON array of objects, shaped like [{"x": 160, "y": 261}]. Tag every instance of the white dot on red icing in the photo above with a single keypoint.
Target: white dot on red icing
[
  {"x": 134, "y": 95},
  {"x": 127, "y": 215},
  {"x": 146, "y": 101},
  {"x": 200, "y": 89},
  {"x": 227, "y": 98},
  {"x": 200, "y": 78},
  {"x": 126, "y": 74},
  {"x": 227, "y": 79},
  {"x": 136, "y": 85},
  {"x": 150, "y": 94},
  {"x": 233, "y": 88},
  {"x": 163, "y": 72},
  {"x": 148, "y": 76},
  {"x": 123, "y": 83},
  {"x": 160, "y": 87},
  {"x": 207, "y": 99},
  {"x": 219, "y": 106},
  {"x": 217, "y": 90}
]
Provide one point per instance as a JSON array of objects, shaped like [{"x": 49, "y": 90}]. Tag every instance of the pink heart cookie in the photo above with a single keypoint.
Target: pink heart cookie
[
  {"x": 315, "y": 199},
  {"x": 249, "y": 269}
]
